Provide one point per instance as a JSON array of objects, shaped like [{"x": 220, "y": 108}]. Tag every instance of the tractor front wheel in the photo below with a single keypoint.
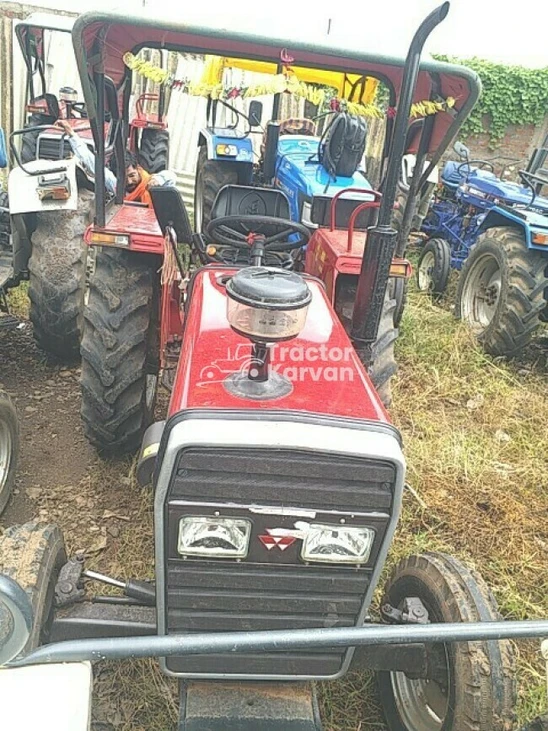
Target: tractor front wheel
[
  {"x": 58, "y": 276},
  {"x": 470, "y": 684},
  {"x": 33, "y": 554},
  {"x": 434, "y": 267},
  {"x": 501, "y": 291},
  {"x": 120, "y": 352},
  {"x": 211, "y": 176},
  {"x": 154, "y": 150}
]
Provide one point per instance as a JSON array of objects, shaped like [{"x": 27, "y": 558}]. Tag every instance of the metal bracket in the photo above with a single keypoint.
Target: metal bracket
[
  {"x": 67, "y": 590},
  {"x": 412, "y": 611}
]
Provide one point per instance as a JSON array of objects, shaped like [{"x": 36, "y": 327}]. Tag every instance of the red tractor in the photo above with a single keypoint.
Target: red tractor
[
  {"x": 51, "y": 191},
  {"x": 277, "y": 485},
  {"x": 126, "y": 345}
]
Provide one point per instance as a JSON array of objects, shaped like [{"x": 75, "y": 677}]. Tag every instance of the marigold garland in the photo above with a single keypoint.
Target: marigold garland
[{"x": 278, "y": 84}]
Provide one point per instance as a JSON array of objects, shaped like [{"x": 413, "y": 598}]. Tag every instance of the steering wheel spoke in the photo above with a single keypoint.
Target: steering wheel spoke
[{"x": 236, "y": 231}]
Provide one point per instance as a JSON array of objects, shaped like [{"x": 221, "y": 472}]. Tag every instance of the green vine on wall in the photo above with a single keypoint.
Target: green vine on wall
[{"x": 511, "y": 95}]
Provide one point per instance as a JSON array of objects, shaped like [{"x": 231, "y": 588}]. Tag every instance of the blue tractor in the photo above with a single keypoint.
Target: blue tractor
[
  {"x": 309, "y": 168},
  {"x": 496, "y": 234}
]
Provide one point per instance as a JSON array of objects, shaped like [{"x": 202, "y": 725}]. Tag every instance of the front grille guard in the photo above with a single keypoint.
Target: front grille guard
[
  {"x": 279, "y": 640},
  {"x": 16, "y": 602}
]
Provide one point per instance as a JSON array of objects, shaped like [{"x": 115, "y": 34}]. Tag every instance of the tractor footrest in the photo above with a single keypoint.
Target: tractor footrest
[{"x": 248, "y": 706}]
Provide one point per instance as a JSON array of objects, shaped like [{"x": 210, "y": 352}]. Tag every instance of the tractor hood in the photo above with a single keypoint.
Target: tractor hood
[
  {"x": 296, "y": 154},
  {"x": 510, "y": 193},
  {"x": 101, "y": 40}
]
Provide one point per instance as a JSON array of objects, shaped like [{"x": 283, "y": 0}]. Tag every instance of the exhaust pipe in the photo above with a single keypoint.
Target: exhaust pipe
[{"x": 381, "y": 239}]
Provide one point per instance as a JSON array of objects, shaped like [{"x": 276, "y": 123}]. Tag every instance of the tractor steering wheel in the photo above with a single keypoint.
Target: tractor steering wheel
[
  {"x": 239, "y": 231},
  {"x": 530, "y": 179},
  {"x": 481, "y": 164}
]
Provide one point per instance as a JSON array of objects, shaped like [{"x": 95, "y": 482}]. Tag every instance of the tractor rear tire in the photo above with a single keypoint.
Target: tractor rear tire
[
  {"x": 399, "y": 293},
  {"x": 9, "y": 447},
  {"x": 120, "y": 353},
  {"x": 211, "y": 176},
  {"x": 501, "y": 291},
  {"x": 5, "y": 224},
  {"x": 58, "y": 279},
  {"x": 33, "y": 554},
  {"x": 383, "y": 364},
  {"x": 475, "y": 688},
  {"x": 29, "y": 139},
  {"x": 154, "y": 150},
  {"x": 383, "y": 361}
]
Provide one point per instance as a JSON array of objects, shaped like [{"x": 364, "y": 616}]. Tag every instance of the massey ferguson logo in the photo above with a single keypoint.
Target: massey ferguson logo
[
  {"x": 282, "y": 538},
  {"x": 281, "y": 542}
]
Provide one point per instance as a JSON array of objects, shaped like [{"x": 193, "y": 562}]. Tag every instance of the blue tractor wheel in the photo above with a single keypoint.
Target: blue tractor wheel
[
  {"x": 211, "y": 176},
  {"x": 501, "y": 290},
  {"x": 434, "y": 267}
]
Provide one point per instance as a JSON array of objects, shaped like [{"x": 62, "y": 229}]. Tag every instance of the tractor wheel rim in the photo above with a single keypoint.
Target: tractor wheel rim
[
  {"x": 426, "y": 268},
  {"x": 421, "y": 703},
  {"x": 6, "y": 453},
  {"x": 481, "y": 293}
]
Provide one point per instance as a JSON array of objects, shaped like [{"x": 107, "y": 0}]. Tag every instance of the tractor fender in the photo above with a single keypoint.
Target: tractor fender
[
  {"x": 501, "y": 217},
  {"x": 23, "y": 188}
]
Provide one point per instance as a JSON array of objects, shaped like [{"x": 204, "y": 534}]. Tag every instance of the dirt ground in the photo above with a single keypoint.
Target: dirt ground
[{"x": 61, "y": 479}]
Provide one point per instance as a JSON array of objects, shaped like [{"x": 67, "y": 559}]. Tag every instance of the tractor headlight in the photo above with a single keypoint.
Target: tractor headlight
[
  {"x": 227, "y": 150},
  {"x": 214, "y": 537},
  {"x": 337, "y": 544}
]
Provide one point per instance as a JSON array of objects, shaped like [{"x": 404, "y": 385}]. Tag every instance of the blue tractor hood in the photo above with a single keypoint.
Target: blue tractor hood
[
  {"x": 298, "y": 169},
  {"x": 511, "y": 194}
]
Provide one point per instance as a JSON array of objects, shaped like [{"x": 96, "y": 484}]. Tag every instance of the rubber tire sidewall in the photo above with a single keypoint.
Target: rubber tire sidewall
[
  {"x": 56, "y": 288},
  {"x": 148, "y": 154},
  {"x": 8, "y": 416},
  {"x": 220, "y": 174},
  {"x": 497, "y": 336},
  {"x": 442, "y": 264},
  {"x": 33, "y": 555},
  {"x": 410, "y": 579}
]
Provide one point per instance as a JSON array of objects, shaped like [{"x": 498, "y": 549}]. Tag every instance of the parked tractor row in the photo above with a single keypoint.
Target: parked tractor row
[
  {"x": 495, "y": 233},
  {"x": 276, "y": 496}
]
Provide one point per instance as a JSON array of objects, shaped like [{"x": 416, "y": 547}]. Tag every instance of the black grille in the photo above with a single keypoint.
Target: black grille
[
  {"x": 273, "y": 476},
  {"x": 53, "y": 149},
  {"x": 269, "y": 589}
]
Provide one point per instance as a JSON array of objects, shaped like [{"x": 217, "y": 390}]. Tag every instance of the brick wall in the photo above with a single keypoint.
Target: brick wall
[{"x": 518, "y": 142}]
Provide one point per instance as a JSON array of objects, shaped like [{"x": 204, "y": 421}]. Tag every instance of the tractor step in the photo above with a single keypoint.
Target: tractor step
[{"x": 248, "y": 706}]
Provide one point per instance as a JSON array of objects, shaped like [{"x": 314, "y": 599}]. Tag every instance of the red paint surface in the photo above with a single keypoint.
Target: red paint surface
[
  {"x": 137, "y": 221},
  {"x": 322, "y": 384},
  {"x": 327, "y": 256}
]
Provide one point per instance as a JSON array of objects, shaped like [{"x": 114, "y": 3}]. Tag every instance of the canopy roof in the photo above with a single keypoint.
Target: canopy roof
[{"x": 101, "y": 40}]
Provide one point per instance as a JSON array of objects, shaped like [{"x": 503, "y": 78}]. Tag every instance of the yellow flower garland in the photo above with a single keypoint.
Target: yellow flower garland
[{"x": 278, "y": 84}]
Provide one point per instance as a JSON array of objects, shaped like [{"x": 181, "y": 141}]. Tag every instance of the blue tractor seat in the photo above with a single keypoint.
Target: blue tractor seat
[{"x": 450, "y": 175}]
